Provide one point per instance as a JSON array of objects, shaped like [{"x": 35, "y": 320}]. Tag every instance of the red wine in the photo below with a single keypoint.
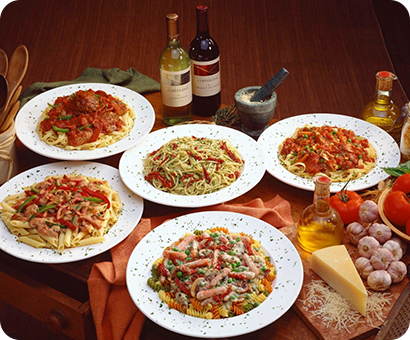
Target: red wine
[{"x": 204, "y": 54}]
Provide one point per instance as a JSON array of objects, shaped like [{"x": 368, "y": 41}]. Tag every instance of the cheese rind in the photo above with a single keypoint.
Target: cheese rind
[{"x": 336, "y": 268}]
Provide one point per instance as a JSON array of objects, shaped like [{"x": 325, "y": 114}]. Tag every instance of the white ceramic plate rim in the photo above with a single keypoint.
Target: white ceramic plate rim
[
  {"x": 131, "y": 165},
  {"x": 30, "y": 113},
  {"x": 284, "y": 255},
  {"x": 387, "y": 149},
  {"x": 130, "y": 215}
]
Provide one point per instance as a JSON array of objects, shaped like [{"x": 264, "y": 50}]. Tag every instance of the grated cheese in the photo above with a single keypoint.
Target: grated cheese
[{"x": 324, "y": 302}]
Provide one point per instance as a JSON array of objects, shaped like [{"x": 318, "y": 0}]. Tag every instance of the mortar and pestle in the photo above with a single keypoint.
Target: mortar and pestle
[{"x": 256, "y": 105}]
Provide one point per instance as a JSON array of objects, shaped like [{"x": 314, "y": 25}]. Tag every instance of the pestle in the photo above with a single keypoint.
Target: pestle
[{"x": 266, "y": 90}]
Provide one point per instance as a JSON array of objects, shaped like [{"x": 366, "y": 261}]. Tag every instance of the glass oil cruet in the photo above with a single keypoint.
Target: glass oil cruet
[
  {"x": 382, "y": 111},
  {"x": 320, "y": 225}
]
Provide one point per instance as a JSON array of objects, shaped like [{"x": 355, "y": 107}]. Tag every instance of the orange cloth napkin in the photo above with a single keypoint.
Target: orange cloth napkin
[{"x": 115, "y": 314}]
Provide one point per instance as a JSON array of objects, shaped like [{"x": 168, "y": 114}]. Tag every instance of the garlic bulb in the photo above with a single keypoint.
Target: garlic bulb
[
  {"x": 368, "y": 211},
  {"x": 381, "y": 258},
  {"x": 380, "y": 232},
  {"x": 363, "y": 266},
  {"x": 403, "y": 244},
  {"x": 355, "y": 231},
  {"x": 395, "y": 249},
  {"x": 397, "y": 270},
  {"x": 379, "y": 280},
  {"x": 367, "y": 246}
]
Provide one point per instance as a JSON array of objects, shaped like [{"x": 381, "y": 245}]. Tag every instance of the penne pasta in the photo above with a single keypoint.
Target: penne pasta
[{"x": 63, "y": 211}]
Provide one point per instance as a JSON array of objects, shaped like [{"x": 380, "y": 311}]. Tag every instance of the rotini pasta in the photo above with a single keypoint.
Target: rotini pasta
[{"x": 213, "y": 274}]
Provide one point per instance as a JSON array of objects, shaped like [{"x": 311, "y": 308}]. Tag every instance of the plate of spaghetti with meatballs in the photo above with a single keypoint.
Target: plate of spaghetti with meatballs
[{"x": 84, "y": 121}]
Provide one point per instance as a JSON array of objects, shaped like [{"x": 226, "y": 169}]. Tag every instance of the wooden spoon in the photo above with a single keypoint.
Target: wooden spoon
[
  {"x": 17, "y": 70},
  {"x": 3, "y": 91},
  {"x": 10, "y": 116},
  {"x": 4, "y": 63}
]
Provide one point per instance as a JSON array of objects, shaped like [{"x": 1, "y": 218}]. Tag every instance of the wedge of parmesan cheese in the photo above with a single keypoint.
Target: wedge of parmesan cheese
[{"x": 336, "y": 268}]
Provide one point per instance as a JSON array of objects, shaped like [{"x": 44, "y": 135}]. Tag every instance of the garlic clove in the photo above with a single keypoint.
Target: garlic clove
[
  {"x": 368, "y": 211},
  {"x": 381, "y": 258},
  {"x": 403, "y": 244},
  {"x": 380, "y": 232}
]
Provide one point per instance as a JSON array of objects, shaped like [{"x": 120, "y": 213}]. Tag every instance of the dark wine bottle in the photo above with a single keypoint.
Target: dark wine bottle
[{"x": 204, "y": 54}]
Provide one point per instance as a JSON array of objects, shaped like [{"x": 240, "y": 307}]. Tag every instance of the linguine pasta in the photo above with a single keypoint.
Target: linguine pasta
[
  {"x": 193, "y": 166},
  {"x": 85, "y": 120},
  {"x": 332, "y": 151}
]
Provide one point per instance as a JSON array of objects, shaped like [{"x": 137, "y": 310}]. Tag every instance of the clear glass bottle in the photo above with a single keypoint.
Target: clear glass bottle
[
  {"x": 204, "y": 54},
  {"x": 320, "y": 225},
  {"x": 382, "y": 111},
  {"x": 175, "y": 76},
  {"x": 405, "y": 134}
]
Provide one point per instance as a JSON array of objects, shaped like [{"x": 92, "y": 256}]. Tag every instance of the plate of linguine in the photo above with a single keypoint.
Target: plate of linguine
[
  {"x": 193, "y": 165},
  {"x": 343, "y": 148}
]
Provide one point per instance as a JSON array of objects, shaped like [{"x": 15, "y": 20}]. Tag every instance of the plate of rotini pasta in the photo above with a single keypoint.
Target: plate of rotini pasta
[
  {"x": 341, "y": 147},
  {"x": 66, "y": 211},
  {"x": 193, "y": 165},
  {"x": 84, "y": 121},
  {"x": 214, "y": 274}
]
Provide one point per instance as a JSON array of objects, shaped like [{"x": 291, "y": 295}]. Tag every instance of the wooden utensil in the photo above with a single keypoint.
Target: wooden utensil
[
  {"x": 8, "y": 112},
  {"x": 4, "y": 63},
  {"x": 3, "y": 91},
  {"x": 10, "y": 116},
  {"x": 17, "y": 70}
]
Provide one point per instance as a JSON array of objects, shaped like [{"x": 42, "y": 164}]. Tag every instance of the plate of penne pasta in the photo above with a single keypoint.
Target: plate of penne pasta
[
  {"x": 214, "y": 274},
  {"x": 66, "y": 211}
]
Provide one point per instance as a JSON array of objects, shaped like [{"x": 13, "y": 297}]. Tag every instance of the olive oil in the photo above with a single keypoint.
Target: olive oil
[
  {"x": 382, "y": 111},
  {"x": 320, "y": 225}
]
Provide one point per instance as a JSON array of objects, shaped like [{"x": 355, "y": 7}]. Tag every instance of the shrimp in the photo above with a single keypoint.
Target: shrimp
[
  {"x": 252, "y": 266},
  {"x": 199, "y": 263},
  {"x": 175, "y": 255},
  {"x": 204, "y": 294},
  {"x": 224, "y": 272},
  {"x": 185, "y": 242}
]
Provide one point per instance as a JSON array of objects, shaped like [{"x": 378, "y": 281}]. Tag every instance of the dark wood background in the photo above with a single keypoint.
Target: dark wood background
[{"x": 331, "y": 48}]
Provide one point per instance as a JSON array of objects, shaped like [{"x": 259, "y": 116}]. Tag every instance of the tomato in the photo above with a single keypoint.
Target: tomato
[
  {"x": 347, "y": 204},
  {"x": 402, "y": 183},
  {"x": 408, "y": 227},
  {"x": 397, "y": 208}
]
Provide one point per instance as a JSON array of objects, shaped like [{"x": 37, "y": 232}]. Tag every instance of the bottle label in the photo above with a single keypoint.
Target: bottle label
[
  {"x": 205, "y": 78},
  {"x": 384, "y": 123},
  {"x": 176, "y": 87}
]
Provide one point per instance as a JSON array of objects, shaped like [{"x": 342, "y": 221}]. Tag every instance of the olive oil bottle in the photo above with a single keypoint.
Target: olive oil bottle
[
  {"x": 320, "y": 224},
  {"x": 382, "y": 111}
]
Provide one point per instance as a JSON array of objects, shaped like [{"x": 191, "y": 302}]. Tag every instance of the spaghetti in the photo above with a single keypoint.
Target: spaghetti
[
  {"x": 193, "y": 166},
  {"x": 213, "y": 274},
  {"x": 62, "y": 212},
  {"x": 85, "y": 120},
  {"x": 335, "y": 152}
]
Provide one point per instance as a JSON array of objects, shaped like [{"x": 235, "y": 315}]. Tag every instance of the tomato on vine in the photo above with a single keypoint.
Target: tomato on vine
[
  {"x": 347, "y": 204},
  {"x": 402, "y": 183}
]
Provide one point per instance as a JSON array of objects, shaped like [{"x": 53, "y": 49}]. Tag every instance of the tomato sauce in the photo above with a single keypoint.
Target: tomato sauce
[
  {"x": 83, "y": 115},
  {"x": 326, "y": 148}
]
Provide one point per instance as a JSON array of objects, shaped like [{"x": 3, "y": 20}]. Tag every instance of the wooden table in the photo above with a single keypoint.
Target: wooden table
[{"x": 331, "y": 48}]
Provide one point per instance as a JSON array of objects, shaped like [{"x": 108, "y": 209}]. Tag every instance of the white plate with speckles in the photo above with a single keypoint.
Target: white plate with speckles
[
  {"x": 131, "y": 165},
  {"x": 282, "y": 252},
  {"x": 131, "y": 213},
  {"x": 388, "y": 152},
  {"x": 29, "y": 115}
]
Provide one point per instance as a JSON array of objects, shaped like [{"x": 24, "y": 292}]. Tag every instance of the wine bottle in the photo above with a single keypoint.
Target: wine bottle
[
  {"x": 175, "y": 75},
  {"x": 204, "y": 54}
]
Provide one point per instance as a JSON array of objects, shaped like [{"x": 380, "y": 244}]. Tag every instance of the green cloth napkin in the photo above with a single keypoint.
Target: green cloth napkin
[{"x": 130, "y": 79}]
